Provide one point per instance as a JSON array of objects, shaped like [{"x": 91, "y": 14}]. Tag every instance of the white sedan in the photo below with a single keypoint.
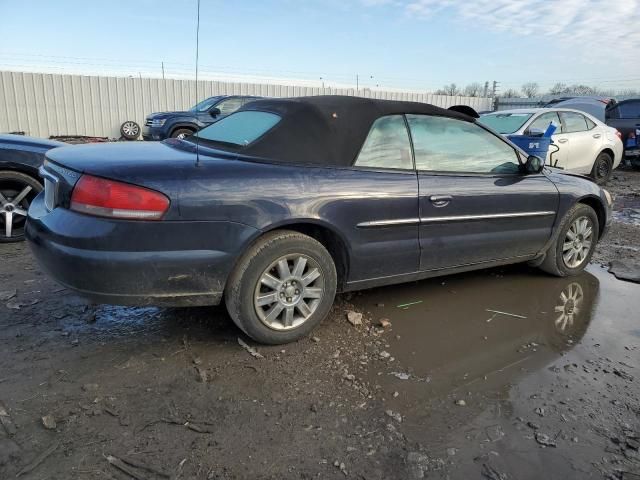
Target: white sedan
[{"x": 586, "y": 145}]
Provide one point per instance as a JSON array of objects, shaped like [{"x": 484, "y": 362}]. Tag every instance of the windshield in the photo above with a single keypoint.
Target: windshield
[
  {"x": 505, "y": 123},
  {"x": 204, "y": 105},
  {"x": 240, "y": 128}
]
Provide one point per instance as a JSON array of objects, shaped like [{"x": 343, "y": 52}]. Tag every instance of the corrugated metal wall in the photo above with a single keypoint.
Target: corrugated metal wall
[{"x": 42, "y": 105}]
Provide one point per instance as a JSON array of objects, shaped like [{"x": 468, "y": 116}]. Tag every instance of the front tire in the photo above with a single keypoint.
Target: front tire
[
  {"x": 574, "y": 242},
  {"x": 602, "y": 168},
  {"x": 181, "y": 133},
  {"x": 281, "y": 288}
]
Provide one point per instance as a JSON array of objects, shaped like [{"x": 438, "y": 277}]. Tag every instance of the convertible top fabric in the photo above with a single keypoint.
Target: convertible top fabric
[{"x": 325, "y": 130}]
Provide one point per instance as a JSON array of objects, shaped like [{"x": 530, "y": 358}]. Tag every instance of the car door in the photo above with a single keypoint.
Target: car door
[
  {"x": 475, "y": 203},
  {"x": 556, "y": 155},
  {"x": 380, "y": 204},
  {"x": 226, "y": 106},
  {"x": 581, "y": 140}
]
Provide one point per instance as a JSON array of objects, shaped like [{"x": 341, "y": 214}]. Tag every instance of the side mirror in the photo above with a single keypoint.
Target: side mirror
[
  {"x": 535, "y": 132},
  {"x": 534, "y": 164},
  {"x": 214, "y": 111}
]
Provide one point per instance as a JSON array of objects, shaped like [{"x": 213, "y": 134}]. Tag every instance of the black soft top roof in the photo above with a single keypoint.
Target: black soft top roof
[{"x": 325, "y": 130}]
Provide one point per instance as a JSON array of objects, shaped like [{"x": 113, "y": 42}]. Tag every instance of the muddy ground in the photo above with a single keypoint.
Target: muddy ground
[{"x": 500, "y": 374}]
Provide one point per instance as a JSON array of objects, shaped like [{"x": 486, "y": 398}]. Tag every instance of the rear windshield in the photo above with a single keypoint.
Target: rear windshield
[
  {"x": 239, "y": 128},
  {"x": 505, "y": 123}
]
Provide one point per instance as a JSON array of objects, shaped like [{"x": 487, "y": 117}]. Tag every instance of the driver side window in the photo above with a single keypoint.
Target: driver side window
[
  {"x": 229, "y": 106},
  {"x": 444, "y": 144}
]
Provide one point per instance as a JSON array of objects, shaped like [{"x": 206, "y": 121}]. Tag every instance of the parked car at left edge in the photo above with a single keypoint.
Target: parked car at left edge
[
  {"x": 162, "y": 125},
  {"x": 20, "y": 158}
]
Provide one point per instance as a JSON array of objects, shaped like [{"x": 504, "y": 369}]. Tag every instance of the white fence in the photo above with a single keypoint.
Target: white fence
[{"x": 42, "y": 105}]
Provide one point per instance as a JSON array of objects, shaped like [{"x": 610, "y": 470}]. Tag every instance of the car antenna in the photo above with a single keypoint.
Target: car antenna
[{"x": 197, "y": 53}]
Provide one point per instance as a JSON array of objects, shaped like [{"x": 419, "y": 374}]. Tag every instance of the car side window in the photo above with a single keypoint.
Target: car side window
[
  {"x": 229, "y": 106},
  {"x": 444, "y": 144},
  {"x": 543, "y": 121},
  {"x": 573, "y": 122},
  {"x": 629, "y": 110},
  {"x": 387, "y": 145}
]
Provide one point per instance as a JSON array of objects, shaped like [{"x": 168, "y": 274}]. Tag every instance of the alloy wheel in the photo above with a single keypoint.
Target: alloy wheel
[
  {"x": 130, "y": 129},
  {"x": 15, "y": 198},
  {"x": 577, "y": 242},
  {"x": 289, "y": 292},
  {"x": 568, "y": 306}
]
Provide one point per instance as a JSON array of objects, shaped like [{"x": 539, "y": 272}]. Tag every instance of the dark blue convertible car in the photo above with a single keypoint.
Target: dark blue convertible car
[{"x": 286, "y": 201}]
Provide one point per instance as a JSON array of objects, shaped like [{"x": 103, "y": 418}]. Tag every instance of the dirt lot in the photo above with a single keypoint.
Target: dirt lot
[{"x": 501, "y": 374}]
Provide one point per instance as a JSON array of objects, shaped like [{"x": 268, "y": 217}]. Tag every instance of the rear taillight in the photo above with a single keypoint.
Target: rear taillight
[{"x": 108, "y": 198}]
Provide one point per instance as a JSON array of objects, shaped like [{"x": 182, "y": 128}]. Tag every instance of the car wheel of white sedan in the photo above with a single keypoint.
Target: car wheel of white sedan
[
  {"x": 602, "y": 168},
  {"x": 574, "y": 242},
  {"x": 282, "y": 287}
]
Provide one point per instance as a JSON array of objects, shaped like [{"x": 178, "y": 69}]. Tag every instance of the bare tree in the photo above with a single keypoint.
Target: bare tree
[
  {"x": 510, "y": 93},
  {"x": 473, "y": 89},
  {"x": 530, "y": 89},
  {"x": 580, "y": 89},
  {"x": 558, "y": 89},
  {"x": 451, "y": 89}
]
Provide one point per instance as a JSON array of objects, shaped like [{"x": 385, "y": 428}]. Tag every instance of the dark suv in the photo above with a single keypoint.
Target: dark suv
[
  {"x": 159, "y": 126},
  {"x": 625, "y": 117}
]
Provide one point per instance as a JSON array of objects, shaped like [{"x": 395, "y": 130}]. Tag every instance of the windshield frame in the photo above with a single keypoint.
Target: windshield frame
[{"x": 528, "y": 115}]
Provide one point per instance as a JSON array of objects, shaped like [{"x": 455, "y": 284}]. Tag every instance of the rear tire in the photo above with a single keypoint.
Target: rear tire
[
  {"x": 573, "y": 243},
  {"x": 602, "y": 168},
  {"x": 181, "y": 133},
  {"x": 13, "y": 214},
  {"x": 281, "y": 288}
]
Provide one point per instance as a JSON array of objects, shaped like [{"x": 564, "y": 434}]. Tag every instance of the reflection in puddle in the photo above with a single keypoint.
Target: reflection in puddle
[{"x": 465, "y": 330}]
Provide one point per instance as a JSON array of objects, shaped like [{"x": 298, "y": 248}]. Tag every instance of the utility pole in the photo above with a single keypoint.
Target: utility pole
[
  {"x": 163, "y": 70},
  {"x": 322, "y": 80},
  {"x": 486, "y": 89},
  {"x": 494, "y": 94},
  {"x": 357, "y": 83},
  {"x": 494, "y": 90}
]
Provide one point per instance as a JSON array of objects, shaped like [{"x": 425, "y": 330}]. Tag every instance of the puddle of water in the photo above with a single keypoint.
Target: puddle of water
[
  {"x": 626, "y": 209},
  {"x": 469, "y": 327}
]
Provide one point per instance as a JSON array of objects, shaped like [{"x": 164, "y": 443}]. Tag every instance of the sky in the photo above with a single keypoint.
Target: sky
[{"x": 407, "y": 44}]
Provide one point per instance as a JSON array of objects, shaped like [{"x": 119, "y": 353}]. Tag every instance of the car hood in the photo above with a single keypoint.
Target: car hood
[
  {"x": 560, "y": 171},
  {"x": 29, "y": 143},
  {"x": 161, "y": 115}
]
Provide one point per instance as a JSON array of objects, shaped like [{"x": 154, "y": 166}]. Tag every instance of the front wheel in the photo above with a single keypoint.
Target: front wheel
[
  {"x": 281, "y": 288},
  {"x": 181, "y": 133},
  {"x": 574, "y": 242},
  {"x": 602, "y": 168}
]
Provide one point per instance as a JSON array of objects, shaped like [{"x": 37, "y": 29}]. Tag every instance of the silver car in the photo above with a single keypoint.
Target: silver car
[{"x": 584, "y": 144}]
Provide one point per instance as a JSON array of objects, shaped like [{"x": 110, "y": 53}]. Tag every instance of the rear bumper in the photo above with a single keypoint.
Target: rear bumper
[
  {"x": 135, "y": 263},
  {"x": 632, "y": 153}
]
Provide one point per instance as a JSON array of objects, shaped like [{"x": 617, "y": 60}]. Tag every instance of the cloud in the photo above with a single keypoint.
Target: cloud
[{"x": 591, "y": 27}]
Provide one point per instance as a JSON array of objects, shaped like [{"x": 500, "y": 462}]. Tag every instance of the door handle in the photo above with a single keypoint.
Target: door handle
[
  {"x": 563, "y": 140},
  {"x": 596, "y": 135},
  {"x": 440, "y": 200}
]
